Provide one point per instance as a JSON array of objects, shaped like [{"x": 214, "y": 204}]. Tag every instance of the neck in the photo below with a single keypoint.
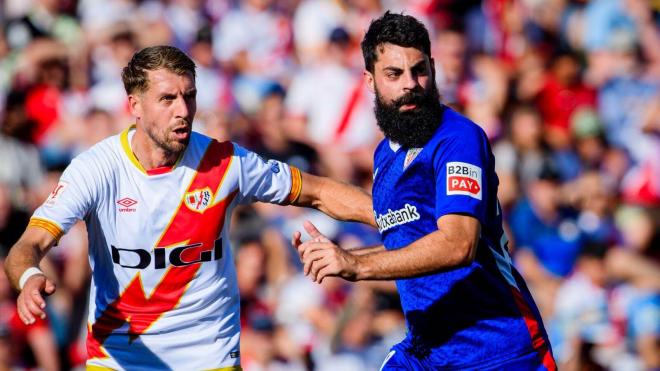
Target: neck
[{"x": 149, "y": 154}]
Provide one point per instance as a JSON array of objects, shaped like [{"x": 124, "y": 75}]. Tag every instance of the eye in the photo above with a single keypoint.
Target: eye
[
  {"x": 392, "y": 74},
  {"x": 191, "y": 95},
  {"x": 420, "y": 69}
]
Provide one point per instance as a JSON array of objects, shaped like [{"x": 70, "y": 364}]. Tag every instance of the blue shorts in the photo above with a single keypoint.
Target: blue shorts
[{"x": 399, "y": 359}]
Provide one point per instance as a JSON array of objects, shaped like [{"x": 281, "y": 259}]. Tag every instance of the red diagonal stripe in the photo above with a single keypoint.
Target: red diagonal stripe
[
  {"x": 533, "y": 326},
  {"x": 133, "y": 306}
]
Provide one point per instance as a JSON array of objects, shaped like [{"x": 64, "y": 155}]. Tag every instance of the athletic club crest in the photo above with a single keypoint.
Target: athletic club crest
[
  {"x": 410, "y": 156},
  {"x": 199, "y": 199}
]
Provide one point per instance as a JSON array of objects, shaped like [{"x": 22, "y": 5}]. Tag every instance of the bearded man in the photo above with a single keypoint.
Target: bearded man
[{"x": 435, "y": 203}]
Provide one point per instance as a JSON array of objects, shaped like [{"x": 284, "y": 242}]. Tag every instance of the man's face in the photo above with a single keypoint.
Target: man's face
[
  {"x": 165, "y": 111},
  {"x": 407, "y": 104},
  {"x": 399, "y": 71}
]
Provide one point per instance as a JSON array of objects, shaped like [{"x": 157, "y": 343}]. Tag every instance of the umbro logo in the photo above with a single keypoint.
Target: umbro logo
[{"x": 127, "y": 202}]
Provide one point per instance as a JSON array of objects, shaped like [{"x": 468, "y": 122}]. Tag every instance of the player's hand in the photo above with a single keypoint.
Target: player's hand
[
  {"x": 313, "y": 232},
  {"x": 325, "y": 259},
  {"x": 30, "y": 302}
]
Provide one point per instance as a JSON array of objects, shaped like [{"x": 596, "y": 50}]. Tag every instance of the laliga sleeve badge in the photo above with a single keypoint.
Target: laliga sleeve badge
[
  {"x": 463, "y": 179},
  {"x": 59, "y": 189},
  {"x": 410, "y": 156}
]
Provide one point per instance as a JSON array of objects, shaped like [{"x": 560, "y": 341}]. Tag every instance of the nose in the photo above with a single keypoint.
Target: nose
[
  {"x": 181, "y": 109},
  {"x": 410, "y": 81}
]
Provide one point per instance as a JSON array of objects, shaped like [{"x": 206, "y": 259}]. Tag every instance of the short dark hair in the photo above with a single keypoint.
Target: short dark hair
[
  {"x": 397, "y": 29},
  {"x": 134, "y": 75}
]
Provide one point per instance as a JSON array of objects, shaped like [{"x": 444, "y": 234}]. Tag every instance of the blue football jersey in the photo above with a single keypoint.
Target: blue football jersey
[{"x": 466, "y": 317}]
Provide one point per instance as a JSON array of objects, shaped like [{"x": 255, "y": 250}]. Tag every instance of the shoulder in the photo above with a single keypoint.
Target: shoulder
[
  {"x": 94, "y": 168},
  {"x": 383, "y": 145},
  {"x": 104, "y": 153},
  {"x": 455, "y": 126},
  {"x": 382, "y": 150},
  {"x": 204, "y": 146}
]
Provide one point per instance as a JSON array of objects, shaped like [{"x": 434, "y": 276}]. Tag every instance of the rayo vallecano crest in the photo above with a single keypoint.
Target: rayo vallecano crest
[{"x": 199, "y": 199}]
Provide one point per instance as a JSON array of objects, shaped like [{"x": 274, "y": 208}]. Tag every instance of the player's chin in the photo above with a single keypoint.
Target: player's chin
[{"x": 179, "y": 143}]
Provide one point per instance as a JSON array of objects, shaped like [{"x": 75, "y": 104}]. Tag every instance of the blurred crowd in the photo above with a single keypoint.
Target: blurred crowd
[{"x": 568, "y": 92}]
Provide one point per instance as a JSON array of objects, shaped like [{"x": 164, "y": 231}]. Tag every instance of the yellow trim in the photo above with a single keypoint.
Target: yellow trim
[
  {"x": 101, "y": 368},
  {"x": 222, "y": 181},
  {"x": 97, "y": 368},
  {"x": 128, "y": 151},
  {"x": 49, "y": 226},
  {"x": 126, "y": 146},
  {"x": 296, "y": 185}
]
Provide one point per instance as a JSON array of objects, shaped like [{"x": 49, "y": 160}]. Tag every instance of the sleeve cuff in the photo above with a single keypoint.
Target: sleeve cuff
[
  {"x": 51, "y": 227},
  {"x": 296, "y": 185}
]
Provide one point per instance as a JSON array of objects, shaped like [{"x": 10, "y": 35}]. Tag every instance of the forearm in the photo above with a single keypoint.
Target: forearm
[
  {"x": 432, "y": 253},
  {"x": 21, "y": 257},
  {"x": 649, "y": 38},
  {"x": 366, "y": 250},
  {"x": 44, "y": 348},
  {"x": 27, "y": 252},
  {"x": 649, "y": 350},
  {"x": 646, "y": 273},
  {"x": 346, "y": 202},
  {"x": 338, "y": 200}
]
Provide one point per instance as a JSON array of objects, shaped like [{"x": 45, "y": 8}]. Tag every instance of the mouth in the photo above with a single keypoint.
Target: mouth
[
  {"x": 181, "y": 133},
  {"x": 407, "y": 107}
]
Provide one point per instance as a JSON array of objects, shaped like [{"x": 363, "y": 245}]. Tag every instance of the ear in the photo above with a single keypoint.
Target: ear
[
  {"x": 369, "y": 80},
  {"x": 432, "y": 63},
  {"x": 135, "y": 105}
]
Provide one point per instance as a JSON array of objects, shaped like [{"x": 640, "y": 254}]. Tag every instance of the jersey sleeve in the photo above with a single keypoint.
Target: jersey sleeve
[
  {"x": 267, "y": 181},
  {"x": 69, "y": 202},
  {"x": 462, "y": 168}
]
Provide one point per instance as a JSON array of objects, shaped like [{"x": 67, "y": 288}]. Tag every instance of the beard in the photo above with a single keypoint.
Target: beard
[
  {"x": 412, "y": 128},
  {"x": 171, "y": 146}
]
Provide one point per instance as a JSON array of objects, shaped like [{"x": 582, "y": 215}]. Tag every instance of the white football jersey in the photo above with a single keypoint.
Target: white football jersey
[{"x": 164, "y": 292}]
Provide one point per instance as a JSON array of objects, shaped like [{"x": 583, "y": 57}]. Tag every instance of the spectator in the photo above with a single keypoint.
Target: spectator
[
  {"x": 253, "y": 40},
  {"x": 329, "y": 104},
  {"x": 12, "y": 221},
  {"x": 21, "y": 168},
  {"x": 521, "y": 155},
  {"x": 563, "y": 93},
  {"x": 546, "y": 237},
  {"x": 29, "y": 346},
  {"x": 581, "y": 319}
]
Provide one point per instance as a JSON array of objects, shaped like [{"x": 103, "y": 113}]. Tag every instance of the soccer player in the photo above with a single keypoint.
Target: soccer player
[
  {"x": 157, "y": 201},
  {"x": 435, "y": 202}
]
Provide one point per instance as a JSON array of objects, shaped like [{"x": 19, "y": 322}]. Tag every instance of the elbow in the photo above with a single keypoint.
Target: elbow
[{"x": 465, "y": 253}]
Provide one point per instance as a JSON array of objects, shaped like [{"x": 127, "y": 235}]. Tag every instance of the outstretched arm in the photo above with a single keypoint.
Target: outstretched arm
[
  {"x": 27, "y": 253},
  {"x": 338, "y": 200},
  {"x": 453, "y": 245},
  {"x": 319, "y": 237}
]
